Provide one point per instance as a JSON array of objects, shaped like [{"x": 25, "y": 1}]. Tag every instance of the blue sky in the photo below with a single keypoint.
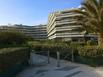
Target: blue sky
[{"x": 31, "y": 12}]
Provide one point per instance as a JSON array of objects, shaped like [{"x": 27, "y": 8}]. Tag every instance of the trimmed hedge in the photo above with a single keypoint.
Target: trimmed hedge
[
  {"x": 89, "y": 61},
  {"x": 91, "y": 52},
  {"x": 10, "y": 58},
  {"x": 91, "y": 55}
]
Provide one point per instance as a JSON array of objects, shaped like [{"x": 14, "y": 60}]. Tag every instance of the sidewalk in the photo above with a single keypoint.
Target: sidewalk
[{"x": 67, "y": 69}]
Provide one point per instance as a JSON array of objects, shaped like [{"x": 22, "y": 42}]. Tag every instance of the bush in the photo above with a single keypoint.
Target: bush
[
  {"x": 90, "y": 55},
  {"x": 91, "y": 51},
  {"x": 12, "y": 38}
]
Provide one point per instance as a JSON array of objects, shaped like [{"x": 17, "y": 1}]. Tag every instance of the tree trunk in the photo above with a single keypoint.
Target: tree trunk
[
  {"x": 58, "y": 59},
  {"x": 100, "y": 39},
  {"x": 48, "y": 57}
]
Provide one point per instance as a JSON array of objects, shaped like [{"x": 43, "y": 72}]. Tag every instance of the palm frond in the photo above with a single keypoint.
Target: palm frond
[
  {"x": 91, "y": 15},
  {"x": 90, "y": 8}
]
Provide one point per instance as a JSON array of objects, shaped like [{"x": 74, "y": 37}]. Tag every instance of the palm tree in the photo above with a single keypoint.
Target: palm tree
[{"x": 91, "y": 17}]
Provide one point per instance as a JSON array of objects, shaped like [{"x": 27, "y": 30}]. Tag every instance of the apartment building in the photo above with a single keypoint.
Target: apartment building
[
  {"x": 37, "y": 32},
  {"x": 40, "y": 32},
  {"x": 61, "y": 26}
]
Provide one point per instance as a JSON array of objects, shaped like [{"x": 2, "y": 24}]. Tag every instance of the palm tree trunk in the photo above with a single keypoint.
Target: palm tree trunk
[{"x": 100, "y": 39}]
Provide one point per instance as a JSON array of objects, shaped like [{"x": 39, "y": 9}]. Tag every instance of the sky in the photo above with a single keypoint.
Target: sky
[{"x": 31, "y": 12}]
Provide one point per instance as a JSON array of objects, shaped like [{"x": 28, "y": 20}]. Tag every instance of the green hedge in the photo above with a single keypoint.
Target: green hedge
[
  {"x": 91, "y": 51},
  {"x": 89, "y": 61},
  {"x": 12, "y": 57},
  {"x": 91, "y": 55}
]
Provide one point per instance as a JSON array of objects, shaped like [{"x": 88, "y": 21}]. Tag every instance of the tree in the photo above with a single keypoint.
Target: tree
[
  {"x": 91, "y": 17},
  {"x": 12, "y": 38}
]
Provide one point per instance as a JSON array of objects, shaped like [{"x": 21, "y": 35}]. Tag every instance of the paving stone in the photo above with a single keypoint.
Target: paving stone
[
  {"x": 40, "y": 71},
  {"x": 73, "y": 74},
  {"x": 67, "y": 68}
]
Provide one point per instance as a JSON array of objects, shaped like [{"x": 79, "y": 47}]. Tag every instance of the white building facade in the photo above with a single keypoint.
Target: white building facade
[
  {"x": 61, "y": 26},
  {"x": 38, "y": 32}
]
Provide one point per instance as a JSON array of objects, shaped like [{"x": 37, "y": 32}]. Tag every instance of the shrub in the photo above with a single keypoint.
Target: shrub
[
  {"x": 91, "y": 51},
  {"x": 12, "y": 38},
  {"x": 90, "y": 55}
]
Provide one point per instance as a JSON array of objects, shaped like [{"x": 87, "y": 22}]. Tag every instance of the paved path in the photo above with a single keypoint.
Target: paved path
[{"x": 67, "y": 69}]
